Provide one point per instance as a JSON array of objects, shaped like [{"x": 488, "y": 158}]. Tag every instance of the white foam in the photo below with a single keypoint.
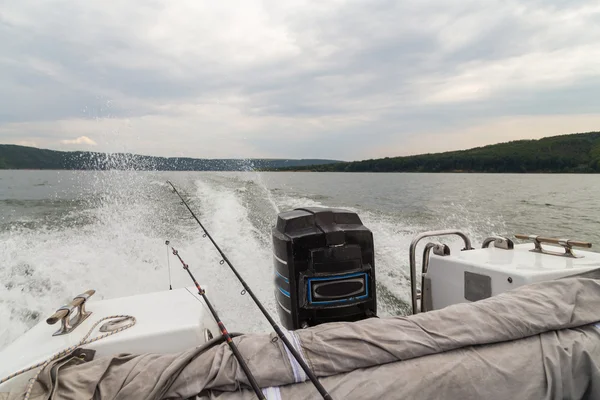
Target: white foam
[
  {"x": 43, "y": 269},
  {"x": 227, "y": 220}
]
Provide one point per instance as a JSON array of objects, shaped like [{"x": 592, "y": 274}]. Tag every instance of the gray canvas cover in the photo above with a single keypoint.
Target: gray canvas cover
[{"x": 535, "y": 342}]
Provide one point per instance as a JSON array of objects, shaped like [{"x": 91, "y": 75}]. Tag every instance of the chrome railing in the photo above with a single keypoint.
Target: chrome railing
[
  {"x": 413, "y": 257},
  {"x": 438, "y": 249}
]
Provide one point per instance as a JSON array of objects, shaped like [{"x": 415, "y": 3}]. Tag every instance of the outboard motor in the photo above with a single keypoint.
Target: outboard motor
[{"x": 324, "y": 267}]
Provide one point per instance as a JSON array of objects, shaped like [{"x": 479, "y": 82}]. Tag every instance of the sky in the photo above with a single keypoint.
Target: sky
[{"x": 336, "y": 79}]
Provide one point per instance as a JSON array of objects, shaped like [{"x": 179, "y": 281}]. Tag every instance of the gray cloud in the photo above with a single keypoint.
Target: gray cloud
[{"x": 339, "y": 79}]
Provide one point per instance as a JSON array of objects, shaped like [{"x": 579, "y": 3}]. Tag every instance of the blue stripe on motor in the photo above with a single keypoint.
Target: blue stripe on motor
[
  {"x": 282, "y": 277},
  {"x": 285, "y": 292}
]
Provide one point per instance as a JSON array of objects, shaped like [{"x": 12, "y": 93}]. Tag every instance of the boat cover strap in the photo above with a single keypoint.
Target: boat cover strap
[{"x": 536, "y": 342}]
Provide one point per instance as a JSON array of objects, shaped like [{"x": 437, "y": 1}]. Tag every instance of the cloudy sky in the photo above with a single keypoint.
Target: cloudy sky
[{"x": 272, "y": 78}]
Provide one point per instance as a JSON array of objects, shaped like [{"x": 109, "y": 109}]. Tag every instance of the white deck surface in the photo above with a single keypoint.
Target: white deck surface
[{"x": 168, "y": 321}]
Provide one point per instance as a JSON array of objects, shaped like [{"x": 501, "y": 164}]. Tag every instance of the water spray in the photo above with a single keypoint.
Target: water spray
[{"x": 224, "y": 260}]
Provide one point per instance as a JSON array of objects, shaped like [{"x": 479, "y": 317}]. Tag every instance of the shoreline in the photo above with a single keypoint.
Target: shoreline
[{"x": 313, "y": 171}]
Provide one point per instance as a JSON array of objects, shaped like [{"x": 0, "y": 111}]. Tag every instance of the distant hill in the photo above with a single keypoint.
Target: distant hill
[
  {"x": 22, "y": 157},
  {"x": 578, "y": 152}
]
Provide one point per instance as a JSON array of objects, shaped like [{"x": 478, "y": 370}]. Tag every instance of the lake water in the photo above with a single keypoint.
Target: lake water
[{"x": 63, "y": 232}]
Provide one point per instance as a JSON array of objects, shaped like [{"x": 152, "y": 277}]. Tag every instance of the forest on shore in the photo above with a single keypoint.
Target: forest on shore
[
  {"x": 573, "y": 153},
  {"x": 23, "y": 157}
]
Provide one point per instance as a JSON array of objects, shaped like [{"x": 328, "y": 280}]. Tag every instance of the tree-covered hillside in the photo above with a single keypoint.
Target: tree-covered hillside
[
  {"x": 21, "y": 157},
  {"x": 578, "y": 152},
  {"x": 566, "y": 153}
]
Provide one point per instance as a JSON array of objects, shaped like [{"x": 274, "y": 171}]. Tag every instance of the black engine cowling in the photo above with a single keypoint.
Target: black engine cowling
[{"x": 324, "y": 267}]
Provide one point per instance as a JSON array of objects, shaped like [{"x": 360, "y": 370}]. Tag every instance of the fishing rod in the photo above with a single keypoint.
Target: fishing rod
[
  {"x": 234, "y": 349},
  {"x": 169, "y": 265},
  {"x": 290, "y": 347}
]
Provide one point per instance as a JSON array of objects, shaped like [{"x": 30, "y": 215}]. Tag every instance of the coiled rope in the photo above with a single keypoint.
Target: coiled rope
[{"x": 61, "y": 353}]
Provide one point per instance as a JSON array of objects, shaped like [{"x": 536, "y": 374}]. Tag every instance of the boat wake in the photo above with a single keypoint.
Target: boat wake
[{"x": 109, "y": 236}]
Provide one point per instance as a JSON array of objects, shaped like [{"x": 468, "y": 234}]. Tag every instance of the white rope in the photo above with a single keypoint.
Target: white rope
[{"x": 61, "y": 353}]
